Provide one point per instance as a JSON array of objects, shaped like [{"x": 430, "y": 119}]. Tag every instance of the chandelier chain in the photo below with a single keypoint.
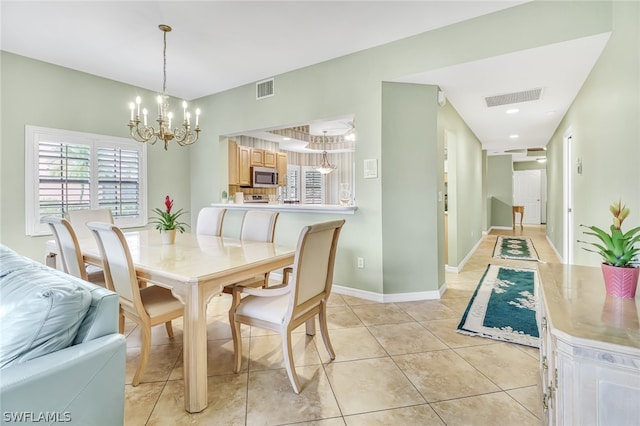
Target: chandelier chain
[{"x": 164, "y": 65}]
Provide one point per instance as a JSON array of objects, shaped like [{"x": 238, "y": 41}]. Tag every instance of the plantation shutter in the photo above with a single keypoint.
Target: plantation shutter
[
  {"x": 64, "y": 174},
  {"x": 293, "y": 183},
  {"x": 119, "y": 181},
  {"x": 312, "y": 188}
]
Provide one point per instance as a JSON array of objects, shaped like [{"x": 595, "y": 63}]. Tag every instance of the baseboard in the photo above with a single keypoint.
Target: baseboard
[
  {"x": 458, "y": 268},
  {"x": 504, "y": 228},
  {"x": 448, "y": 268},
  {"x": 554, "y": 249},
  {"x": 389, "y": 298}
]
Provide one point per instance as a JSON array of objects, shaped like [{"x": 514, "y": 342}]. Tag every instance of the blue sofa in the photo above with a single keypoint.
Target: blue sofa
[{"x": 62, "y": 359}]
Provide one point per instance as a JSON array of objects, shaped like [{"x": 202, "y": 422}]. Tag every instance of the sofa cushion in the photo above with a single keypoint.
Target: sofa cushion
[{"x": 40, "y": 311}]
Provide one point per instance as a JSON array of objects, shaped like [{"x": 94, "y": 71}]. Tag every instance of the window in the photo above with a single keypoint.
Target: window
[
  {"x": 68, "y": 170},
  {"x": 305, "y": 185}
]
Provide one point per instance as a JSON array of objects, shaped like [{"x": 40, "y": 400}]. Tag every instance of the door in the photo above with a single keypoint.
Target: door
[{"x": 527, "y": 192}]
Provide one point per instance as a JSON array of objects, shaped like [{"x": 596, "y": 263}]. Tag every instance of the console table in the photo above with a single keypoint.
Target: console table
[
  {"x": 589, "y": 349},
  {"x": 517, "y": 209}
]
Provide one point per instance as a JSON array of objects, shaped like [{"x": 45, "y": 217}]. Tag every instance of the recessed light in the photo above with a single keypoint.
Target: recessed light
[
  {"x": 286, "y": 139},
  {"x": 551, "y": 112},
  {"x": 541, "y": 160},
  {"x": 514, "y": 136},
  {"x": 512, "y": 111}
]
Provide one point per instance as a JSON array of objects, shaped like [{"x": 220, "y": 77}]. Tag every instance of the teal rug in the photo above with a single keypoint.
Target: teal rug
[
  {"x": 517, "y": 248},
  {"x": 503, "y": 307}
]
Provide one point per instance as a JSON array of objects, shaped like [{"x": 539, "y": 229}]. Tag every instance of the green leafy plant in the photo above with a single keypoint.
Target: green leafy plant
[
  {"x": 617, "y": 248},
  {"x": 167, "y": 220}
]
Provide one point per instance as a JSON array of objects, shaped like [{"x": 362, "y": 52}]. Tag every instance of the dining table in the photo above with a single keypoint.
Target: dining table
[{"x": 195, "y": 268}]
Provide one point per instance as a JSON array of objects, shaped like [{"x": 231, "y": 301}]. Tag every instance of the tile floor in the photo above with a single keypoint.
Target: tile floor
[{"x": 396, "y": 364}]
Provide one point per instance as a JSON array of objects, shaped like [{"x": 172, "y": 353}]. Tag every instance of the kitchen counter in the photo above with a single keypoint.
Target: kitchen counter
[{"x": 293, "y": 208}]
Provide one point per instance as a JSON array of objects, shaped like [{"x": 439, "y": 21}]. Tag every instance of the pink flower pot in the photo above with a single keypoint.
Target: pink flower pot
[{"x": 620, "y": 282}]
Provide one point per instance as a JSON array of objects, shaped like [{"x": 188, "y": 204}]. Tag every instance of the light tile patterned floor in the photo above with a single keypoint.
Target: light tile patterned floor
[{"x": 396, "y": 363}]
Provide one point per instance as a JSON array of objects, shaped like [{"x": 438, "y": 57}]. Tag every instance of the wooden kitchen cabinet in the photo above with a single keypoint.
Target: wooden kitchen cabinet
[
  {"x": 263, "y": 158},
  {"x": 233, "y": 163},
  {"x": 281, "y": 165},
  {"x": 270, "y": 159},
  {"x": 257, "y": 157},
  {"x": 244, "y": 165}
]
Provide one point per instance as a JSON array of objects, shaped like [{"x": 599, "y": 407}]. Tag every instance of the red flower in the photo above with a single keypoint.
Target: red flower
[{"x": 168, "y": 202}]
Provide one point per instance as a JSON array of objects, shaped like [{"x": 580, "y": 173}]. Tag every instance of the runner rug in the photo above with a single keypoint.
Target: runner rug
[
  {"x": 517, "y": 248},
  {"x": 503, "y": 307}
]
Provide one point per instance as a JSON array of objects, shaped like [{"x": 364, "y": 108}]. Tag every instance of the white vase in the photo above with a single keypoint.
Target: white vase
[{"x": 168, "y": 236}]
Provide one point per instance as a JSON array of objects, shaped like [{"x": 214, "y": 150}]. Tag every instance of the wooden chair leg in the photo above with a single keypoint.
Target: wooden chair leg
[
  {"x": 310, "y": 326},
  {"x": 145, "y": 348},
  {"x": 288, "y": 361},
  {"x": 235, "y": 331},
  {"x": 169, "y": 328},
  {"x": 121, "y": 323},
  {"x": 324, "y": 331}
]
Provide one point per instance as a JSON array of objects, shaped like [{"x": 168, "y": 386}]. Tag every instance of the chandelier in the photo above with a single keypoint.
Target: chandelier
[
  {"x": 325, "y": 167},
  {"x": 142, "y": 132}
]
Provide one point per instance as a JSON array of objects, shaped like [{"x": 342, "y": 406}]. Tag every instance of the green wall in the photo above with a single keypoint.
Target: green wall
[
  {"x": 605, "y": 120},
  {"x": 413, "y": 166},
  {"x": 465, "y": 188},
  {"x": 46, "y": 95},
  {"x": 528, "y": 165},
  {"x": 500, "y": 190}
]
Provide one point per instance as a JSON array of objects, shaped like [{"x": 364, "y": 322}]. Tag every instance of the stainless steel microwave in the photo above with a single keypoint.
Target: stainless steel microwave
[{"x": 264, "y": 177}]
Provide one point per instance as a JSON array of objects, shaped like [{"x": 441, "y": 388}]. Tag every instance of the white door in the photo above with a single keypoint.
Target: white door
[{"x": 527, "y": 193}]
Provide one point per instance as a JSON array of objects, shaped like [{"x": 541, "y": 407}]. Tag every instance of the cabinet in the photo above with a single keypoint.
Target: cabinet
[
  {"x": 589, "y": 349},
  {"x": 262, "y": 158},
  {"x": 270, "y": 159},
  {"x": 281, "y": 165},
  {"x": 233, "y": 163},
  {"x": 244, "y": 165},
  {"x": 257, "y": 157}
]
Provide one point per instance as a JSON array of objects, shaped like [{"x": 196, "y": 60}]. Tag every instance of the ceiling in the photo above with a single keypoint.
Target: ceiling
[{"x": 219, "y": 45}]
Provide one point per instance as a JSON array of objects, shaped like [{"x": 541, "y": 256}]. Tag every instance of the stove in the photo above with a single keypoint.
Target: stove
[{"x": 256, "y": 199}]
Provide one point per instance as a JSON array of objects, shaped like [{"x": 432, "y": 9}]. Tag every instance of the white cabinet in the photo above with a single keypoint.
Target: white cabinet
[{"x": 590, "y": 349}]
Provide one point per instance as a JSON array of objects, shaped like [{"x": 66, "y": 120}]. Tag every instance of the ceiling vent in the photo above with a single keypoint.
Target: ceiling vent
[
  {"x": 514, "y": 98},
  {"x": 264, "y": 89}
]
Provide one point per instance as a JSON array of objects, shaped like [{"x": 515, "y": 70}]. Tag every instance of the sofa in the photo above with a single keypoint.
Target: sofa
[{"x": 62, "y": 359}]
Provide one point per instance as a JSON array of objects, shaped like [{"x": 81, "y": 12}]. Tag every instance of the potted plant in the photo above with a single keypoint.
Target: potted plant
[
  {"x": 619, "y": 253},
  {"x": 168, "y": 222}
]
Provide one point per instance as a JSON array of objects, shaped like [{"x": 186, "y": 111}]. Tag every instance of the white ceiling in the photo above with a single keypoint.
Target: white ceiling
[{"x": 219, "y": 45}]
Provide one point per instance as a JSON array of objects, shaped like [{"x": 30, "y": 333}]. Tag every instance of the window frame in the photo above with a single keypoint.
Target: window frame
[{"x": 35, "y": 134}]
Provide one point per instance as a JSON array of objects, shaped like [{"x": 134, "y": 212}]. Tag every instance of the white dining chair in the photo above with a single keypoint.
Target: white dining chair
[
  {"x": 70, "y": 254},
  {"x": 257, "y": 225},
  {"x": 79, "y": 219},
  {"x": 210, "y": 220},
  {"x": 147, "y": 307},
  {"x": 284, "y": 308}
]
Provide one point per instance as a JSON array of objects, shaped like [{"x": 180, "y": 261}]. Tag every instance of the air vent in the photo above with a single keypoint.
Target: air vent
[
  {"x": 513, "y": 98},
  {"x": 264, "y": 89}
]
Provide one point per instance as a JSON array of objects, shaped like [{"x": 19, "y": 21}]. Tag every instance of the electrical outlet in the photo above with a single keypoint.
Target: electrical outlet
[{"x": 361, "y": 262}]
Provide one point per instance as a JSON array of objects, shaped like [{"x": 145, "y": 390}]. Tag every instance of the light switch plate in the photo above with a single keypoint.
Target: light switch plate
[{"x": 370, "y": 168}]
